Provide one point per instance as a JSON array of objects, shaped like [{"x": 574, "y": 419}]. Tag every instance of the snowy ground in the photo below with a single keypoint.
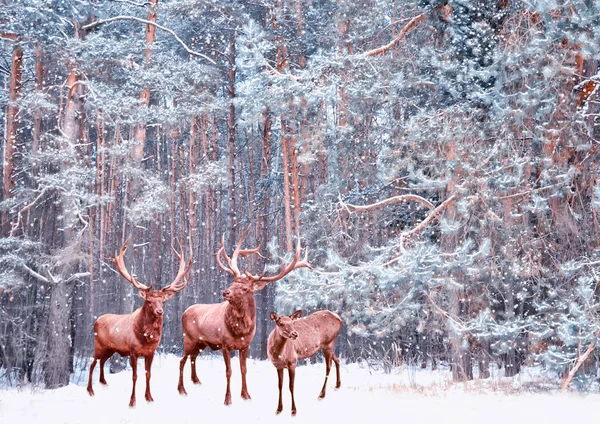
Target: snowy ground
[{"x": 407, "y": 395}]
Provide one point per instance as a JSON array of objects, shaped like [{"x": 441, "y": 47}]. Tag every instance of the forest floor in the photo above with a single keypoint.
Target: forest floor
[{"x": 405, "y": 395}]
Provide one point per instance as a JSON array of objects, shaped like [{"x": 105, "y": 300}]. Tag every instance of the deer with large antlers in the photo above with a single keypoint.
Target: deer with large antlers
[
  {"x": 229, "y": 325},
  {"x": 136, "y": 334}
]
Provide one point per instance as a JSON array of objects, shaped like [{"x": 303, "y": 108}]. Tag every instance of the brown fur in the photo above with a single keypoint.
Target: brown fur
[
  {"x": 296, "y": 338},
  {"x": 229, "y": 325},
  {"x": 136, "y": 334}
]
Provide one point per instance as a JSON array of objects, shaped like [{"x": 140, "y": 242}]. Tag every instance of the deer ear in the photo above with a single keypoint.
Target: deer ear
[
  {"x": 260, "y": 286},
  {"x": 296, "y": 314},
  {"x": 142, "y": 293},
  {"x": 274, "y": 316}
]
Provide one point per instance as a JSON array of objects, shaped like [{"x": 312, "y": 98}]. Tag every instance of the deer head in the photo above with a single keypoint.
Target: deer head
[
  {"x": 154, "y": 299},
  {"x": 245, "y": 284},
  {"x": 285, "y": 325}
]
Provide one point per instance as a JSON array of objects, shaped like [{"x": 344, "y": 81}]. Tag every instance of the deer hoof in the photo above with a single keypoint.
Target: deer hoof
[
  {"x": 321, "y": 395},
  {"x": 196, "y": 380},
  {"x": 227, "y": 401},
  {"x": 246, "y": 396},
  {"x": 149, "y": 398},
  {"x": 103, "y": 382},
  {"x": 293, "y": 412},
  {"x": 91, "y": 391},
  {"x": 337, "y": 386},
  {"x": 182, "y": 391},
  {"x": 132, "y": 403},
  {"x": 278, "y": 411}
]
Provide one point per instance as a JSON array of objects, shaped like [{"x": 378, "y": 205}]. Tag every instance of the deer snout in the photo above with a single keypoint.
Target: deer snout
[
  {"x": 226, "y": 293},
  {"x": 159, "y": 312}
]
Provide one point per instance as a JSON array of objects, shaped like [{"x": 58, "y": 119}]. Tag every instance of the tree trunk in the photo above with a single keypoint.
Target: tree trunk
[
  {"x": 37, "y": 116},
  {"x": 231, "y": 133},
  {"x": 58, "y": 364},
  {"x": 140, "y": 130},
  {"x": 286, "y": 185},
  {"x": 460, "y": 356},
  {"x": 266, "y": 294},
  {"x": 12, "y": 122}
]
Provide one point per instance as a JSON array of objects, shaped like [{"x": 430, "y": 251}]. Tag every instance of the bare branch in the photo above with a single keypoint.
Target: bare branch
[
  {"x": 434, "y": 214},
  {"x": 274, "y": 71},
  {"x": 535, "y": 190},
  {"x": 422, "y": 225},
  {"x": 77, "y": 276},
  {"x": 580, "y": 362},
  {"x": 147, "y": 22},
  {"x": 15, "y": 225},
  {"x": 411, "y": 24},
  {"x": 454, "y": 319},
  {"x": 396, "y": 199},
  {"x": 133, "y": 3},
  {"x": 36, "y": 275}
]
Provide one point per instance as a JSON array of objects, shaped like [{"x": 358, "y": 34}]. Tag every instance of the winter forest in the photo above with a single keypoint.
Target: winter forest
[{"x": 436, "y": 160}]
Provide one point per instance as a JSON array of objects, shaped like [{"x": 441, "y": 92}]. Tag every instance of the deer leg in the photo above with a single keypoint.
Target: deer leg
[
  {"x": 227, "y": 357},
  {"x": 280, "y": 378},
  {"x": 89, "y": 386},
  {"x": 338, "y": 382},
  {"x": 180, "y": 387},
  {"x": 102, "y": 362},
  {"x": 133, "y": 360},
  {"x": 243, "y": 356},
  {"x": 197, "y": 349},
  {"x": 148, "y": 362},
  {"x": 195, "y": 378},
  {"x": 327, "y": 355},
  {"x": 292, "y": 373}
]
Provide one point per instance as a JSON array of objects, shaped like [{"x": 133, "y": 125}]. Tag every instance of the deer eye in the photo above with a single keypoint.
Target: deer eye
[{"x": 244, "y": 289}]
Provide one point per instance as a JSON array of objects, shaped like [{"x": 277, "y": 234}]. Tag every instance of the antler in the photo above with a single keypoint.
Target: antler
[
  {"x": 175, "y": 286},
  {"x": 118, "y": 260},
  {"x": 232, "y": 262},
  {"x": 294, "y": 264}
]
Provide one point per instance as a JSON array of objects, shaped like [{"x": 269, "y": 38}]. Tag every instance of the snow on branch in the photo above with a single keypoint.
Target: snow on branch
[
  {"x": 434, "y": 214},
  {"x": 133, "y": 3},
  {"x": 410, "y": 25},
  {"x": 147, "y": 22},
  {"x": 51, "y": 279},
  {"x": 406, "y": 235},
  {"x": 396, "y": 199},
  {"x": 36, "y": 275},
  {"x": 456, "y": 320},
  {"x": 580, "y": 361},
  {"x": 422, "y": 225},
  {"x": 19, "y": 222}
]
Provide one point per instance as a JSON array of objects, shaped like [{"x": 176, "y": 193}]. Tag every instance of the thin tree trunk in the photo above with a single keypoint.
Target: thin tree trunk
[
  {"x": 193, "y": 198},
  {"x": 140, "y": 130},
  {"x": 231, "y": 132},
  {"x": 37, "y": 115},
  {"x": 286, "y": 186},
  {"x": 12, "y": 122},
  {"x": 266, "y": 294}
]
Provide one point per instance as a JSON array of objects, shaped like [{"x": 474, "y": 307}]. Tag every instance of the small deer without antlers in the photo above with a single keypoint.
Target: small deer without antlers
[
  {"x": 229, "y": 325},
  {"x": 136, "y": 334},
  {"x": 294, "y": 339}
]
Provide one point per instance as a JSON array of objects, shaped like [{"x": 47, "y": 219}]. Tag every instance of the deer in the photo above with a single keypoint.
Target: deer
[
  {"x": 231, "y": 324},
  {"x": 295, "y": 338},
  {"x": 136, "y": 334}
]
